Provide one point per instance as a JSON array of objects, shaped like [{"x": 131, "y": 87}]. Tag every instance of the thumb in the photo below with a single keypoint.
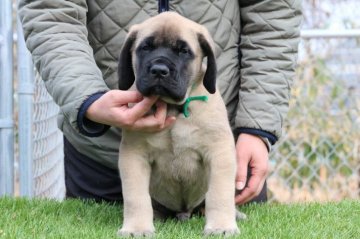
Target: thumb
[
  {"x": 242, "y": 170},
  {"x": 127, "y": 96},
  {"x": 141, "y": 108}
]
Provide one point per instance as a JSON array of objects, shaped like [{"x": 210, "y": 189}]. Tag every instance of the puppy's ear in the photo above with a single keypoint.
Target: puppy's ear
[
  {"x": 125, "y": 67},
  {"x": 210, "y": 74}
]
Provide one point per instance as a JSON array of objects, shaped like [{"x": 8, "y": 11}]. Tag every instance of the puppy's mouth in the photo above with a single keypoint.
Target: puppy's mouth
[
  {"x": 172, "y": 101},
  {"x": 159, "y": 90},
  {"x": 165, "y": 94}
]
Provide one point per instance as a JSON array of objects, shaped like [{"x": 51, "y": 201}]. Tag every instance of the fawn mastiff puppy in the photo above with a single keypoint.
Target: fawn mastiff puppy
[{"x": 192, "y": 160}]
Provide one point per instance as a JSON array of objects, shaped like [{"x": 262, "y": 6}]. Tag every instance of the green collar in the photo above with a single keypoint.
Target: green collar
[{"x": 192, "y": 98}]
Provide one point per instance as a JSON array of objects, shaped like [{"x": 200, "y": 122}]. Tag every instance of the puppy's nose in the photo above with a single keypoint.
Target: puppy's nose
[{"x": 159, "y": 70}]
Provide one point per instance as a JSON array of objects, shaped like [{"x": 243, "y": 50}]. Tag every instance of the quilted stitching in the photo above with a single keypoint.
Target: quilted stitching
[{"x": 268, "y": 59}]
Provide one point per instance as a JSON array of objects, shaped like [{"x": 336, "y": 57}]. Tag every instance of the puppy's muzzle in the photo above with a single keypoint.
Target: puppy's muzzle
[{"x": 161, "y": 79}]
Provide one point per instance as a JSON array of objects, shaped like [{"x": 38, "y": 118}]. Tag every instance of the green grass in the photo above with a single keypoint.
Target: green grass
[{"x": 20, "y": 218}]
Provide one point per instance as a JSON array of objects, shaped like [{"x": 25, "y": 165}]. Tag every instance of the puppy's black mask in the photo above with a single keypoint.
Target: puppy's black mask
[{"x": 163, "y": 68}]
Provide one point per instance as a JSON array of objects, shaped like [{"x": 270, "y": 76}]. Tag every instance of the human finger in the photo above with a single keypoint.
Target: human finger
[
  {"x": 160, "y": 114},
  {"x": 169, "y": 121},
  {"x": 126, "y": 97},
  {"x": 147, "y": 124},
  {"x": 242, "y": 169},
  {"x": 141, "y": 108},
  {"x": 252, "y": 189}
]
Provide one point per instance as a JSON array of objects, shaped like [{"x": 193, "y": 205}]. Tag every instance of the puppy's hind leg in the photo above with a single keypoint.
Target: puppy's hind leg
[{"x": 138, "y": 213}]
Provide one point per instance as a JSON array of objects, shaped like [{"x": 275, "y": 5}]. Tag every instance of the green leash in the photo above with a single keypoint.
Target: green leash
[{"x": 192, "y": 98}]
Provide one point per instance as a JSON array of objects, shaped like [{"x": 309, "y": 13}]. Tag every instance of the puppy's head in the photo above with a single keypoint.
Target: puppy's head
[{"x": 164, "y": 55}]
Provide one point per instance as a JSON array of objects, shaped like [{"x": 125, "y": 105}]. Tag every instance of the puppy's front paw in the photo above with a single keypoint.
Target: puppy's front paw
[
  {"x": 132, "y": 232},
  {"x": 221, "y": 231}
]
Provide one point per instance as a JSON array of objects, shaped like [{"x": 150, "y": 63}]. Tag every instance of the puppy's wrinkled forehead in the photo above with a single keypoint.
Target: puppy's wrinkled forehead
[
  {"x": 167, "y": 29},
  {"x": 166, "y": 38}
]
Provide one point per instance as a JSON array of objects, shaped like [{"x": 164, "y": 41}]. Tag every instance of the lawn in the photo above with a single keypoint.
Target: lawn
[{"x": 20, "y": 218}]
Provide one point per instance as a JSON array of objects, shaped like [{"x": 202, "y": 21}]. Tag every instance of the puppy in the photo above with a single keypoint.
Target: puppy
[{"x": 193, "y": 160}]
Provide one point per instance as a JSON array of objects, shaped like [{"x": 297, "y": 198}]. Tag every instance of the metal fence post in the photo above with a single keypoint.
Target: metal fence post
[
  {"x": 25, "y": 93},
  {"x": 6, "y": 100}
]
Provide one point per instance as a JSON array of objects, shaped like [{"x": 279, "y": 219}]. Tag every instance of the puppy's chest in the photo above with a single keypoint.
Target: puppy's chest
[{"x": 178, "y": 152}]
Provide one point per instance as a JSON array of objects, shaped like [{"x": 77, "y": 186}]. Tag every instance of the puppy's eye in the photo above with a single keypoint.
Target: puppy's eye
[
  {"x": 184, "y": 50},
  {"x": 147, "y": 47}
]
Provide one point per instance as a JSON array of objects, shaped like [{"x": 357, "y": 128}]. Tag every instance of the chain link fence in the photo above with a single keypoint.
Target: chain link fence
[
  {"x": 48, "y": 154},
  {"x": 318, "y": 157}
]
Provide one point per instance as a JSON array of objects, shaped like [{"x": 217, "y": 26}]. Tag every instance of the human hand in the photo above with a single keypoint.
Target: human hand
[
  {"x": 251, "y": 152},
  {"x": 113, "y": 109}
]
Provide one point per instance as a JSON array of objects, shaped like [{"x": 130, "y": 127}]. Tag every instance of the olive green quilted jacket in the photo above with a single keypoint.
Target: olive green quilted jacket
[{"x": 75, "y": 45}]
